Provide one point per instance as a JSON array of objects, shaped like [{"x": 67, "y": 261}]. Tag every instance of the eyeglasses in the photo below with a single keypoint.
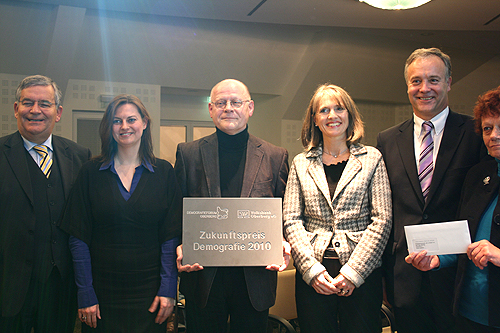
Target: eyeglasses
[
  {"x": 235, "y": 103},
  {"x": 28, "y": 103}
]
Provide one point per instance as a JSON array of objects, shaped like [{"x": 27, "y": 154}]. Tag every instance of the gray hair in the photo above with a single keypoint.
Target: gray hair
[
  {"x": 424, "y": 53},
  {"x": 39, "y": 80}
]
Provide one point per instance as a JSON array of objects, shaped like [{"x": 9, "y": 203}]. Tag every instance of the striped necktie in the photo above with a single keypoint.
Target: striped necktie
[
  {"x": 46, "y": 162},
  {"x": 425, "y": 166}
]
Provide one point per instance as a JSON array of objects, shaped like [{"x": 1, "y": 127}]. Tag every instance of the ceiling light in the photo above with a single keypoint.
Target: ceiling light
[{"x": 395, "y": 4}]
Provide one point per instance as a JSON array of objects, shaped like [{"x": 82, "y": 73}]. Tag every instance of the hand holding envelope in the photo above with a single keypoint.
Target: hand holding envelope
[
  {"x": 426, "y": 241},
  {"x": 438, "y": 238},
  {"x": 483, "y": 252},
  {"x": 422, "y": 261}
]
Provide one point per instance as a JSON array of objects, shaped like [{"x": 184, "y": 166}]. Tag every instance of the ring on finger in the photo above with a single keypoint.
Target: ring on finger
[{"x": 84, "y": 318}]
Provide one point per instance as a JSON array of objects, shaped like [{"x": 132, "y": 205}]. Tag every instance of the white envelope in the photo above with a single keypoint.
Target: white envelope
[{"x": 438, "y": 238}]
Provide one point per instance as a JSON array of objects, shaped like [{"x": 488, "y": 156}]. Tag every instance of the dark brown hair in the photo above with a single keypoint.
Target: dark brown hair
[{"x": 109, "y": 146}]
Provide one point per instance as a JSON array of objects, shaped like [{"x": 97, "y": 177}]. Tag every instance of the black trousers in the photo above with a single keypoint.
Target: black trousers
[
  {"x": 359, "y": 312},
  {"x": 49, "y": 307},
  {"x": 228, "y": 299},
  {"x": 432, "y": 313}
]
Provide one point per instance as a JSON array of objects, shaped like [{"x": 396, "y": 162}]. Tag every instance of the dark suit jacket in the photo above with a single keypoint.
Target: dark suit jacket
[
  {"x": 460, "y": 149},
  {"x": 17, "y": 217},
  {"x": 265, "y": 175},
  {"x": 480, "y": 187}
]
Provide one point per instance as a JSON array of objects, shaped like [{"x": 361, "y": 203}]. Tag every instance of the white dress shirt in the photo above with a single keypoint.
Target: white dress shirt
[{"x": 437, "y": 133}]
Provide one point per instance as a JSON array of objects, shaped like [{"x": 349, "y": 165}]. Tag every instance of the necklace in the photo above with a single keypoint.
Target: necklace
[{"x": 343, "y": 151}]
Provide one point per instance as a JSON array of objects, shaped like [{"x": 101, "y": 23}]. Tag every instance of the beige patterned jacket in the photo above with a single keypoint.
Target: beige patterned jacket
[{"x": 358, "y": 220}]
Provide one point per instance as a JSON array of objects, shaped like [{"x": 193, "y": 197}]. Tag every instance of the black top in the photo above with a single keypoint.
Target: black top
[
  {"x": 232, "y": 159},
  {"x": 333, "y": 173},
  {"x": 124, "y": 237}
]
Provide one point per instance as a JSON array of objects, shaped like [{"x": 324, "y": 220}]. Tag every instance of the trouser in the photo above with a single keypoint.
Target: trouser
[
  {"x": 359, "y": 312},
  {"x": 228, "y": 298},
  {"x": 431, "y": 313},
  {"x": 49, "y": 307}
]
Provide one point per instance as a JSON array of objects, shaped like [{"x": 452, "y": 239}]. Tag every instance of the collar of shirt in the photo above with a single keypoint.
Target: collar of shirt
[
  {"x": 111, "y": 165},
  {"x": 135, "y": 180},
  {"x": 438, "y": 121},
  {"x": 36, "y": 157},
  {"x": 29, "y": 145}
]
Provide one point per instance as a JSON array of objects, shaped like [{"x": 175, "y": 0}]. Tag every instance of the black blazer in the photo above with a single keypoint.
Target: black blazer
[
  {"x": 460, "y": 149},
  {"x": 17, "y": 217},
  {"x": 480, "y": 187},
  {"x": 265, "y": 175}
]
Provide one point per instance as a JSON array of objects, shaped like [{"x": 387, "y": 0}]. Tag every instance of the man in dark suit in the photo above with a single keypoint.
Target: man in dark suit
[
  {"x": 425, "y": 193},
  {"x": 230, "y": 163},
  {"x": 37, "y": 170}
]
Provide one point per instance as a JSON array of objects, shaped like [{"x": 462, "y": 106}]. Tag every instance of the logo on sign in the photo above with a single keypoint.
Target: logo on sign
[
  {"x": 243, "y": 214},
  {"x": 222, "y": 214}
]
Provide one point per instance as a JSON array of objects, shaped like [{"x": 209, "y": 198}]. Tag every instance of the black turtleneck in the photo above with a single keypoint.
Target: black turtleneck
[{"x": 232, "y": 158}]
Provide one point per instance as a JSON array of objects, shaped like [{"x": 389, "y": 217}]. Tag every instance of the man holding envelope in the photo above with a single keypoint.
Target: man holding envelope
[
  {"x": 477, "y": 290},
  {"x": 427, "y": 158},
  {"x": 230, "y": 163}
]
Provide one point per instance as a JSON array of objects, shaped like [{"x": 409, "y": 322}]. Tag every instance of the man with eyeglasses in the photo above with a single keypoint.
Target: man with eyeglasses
[
  {"x": 37, "y": 170},
  {"x": 230, "y": 163}
]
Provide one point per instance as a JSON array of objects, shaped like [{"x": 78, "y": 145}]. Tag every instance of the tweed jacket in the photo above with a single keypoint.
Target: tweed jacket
[{"x": 357, "y": 220}]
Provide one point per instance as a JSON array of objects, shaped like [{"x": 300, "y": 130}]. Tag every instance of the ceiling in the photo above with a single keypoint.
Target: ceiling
[
  {"x": 462, "y": 15},
  {"x": 294, "y": 43},
  {"x": 185, "y": 46}
]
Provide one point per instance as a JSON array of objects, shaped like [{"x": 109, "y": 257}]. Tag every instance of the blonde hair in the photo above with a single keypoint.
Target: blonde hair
[{"x": 312, "y": 136}]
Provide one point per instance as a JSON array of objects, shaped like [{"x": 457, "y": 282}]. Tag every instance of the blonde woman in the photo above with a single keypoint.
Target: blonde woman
[{"x": 337, "y": 219}]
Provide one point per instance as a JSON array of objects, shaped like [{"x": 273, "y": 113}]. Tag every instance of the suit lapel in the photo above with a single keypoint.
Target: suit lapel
[
  {"x": 252, "y": 165},
  {"x": 64, "y": 161},
  {"x": 210, "y": 161},
  {"x": 16, "y": 155},
  {"x": 484, "y": 192},
  {"x": 351, "y": 169},
  {"x": 317, "y": 173},
  {"x": 407, "y": 152},
  {"x": 452, "y": 136}
]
